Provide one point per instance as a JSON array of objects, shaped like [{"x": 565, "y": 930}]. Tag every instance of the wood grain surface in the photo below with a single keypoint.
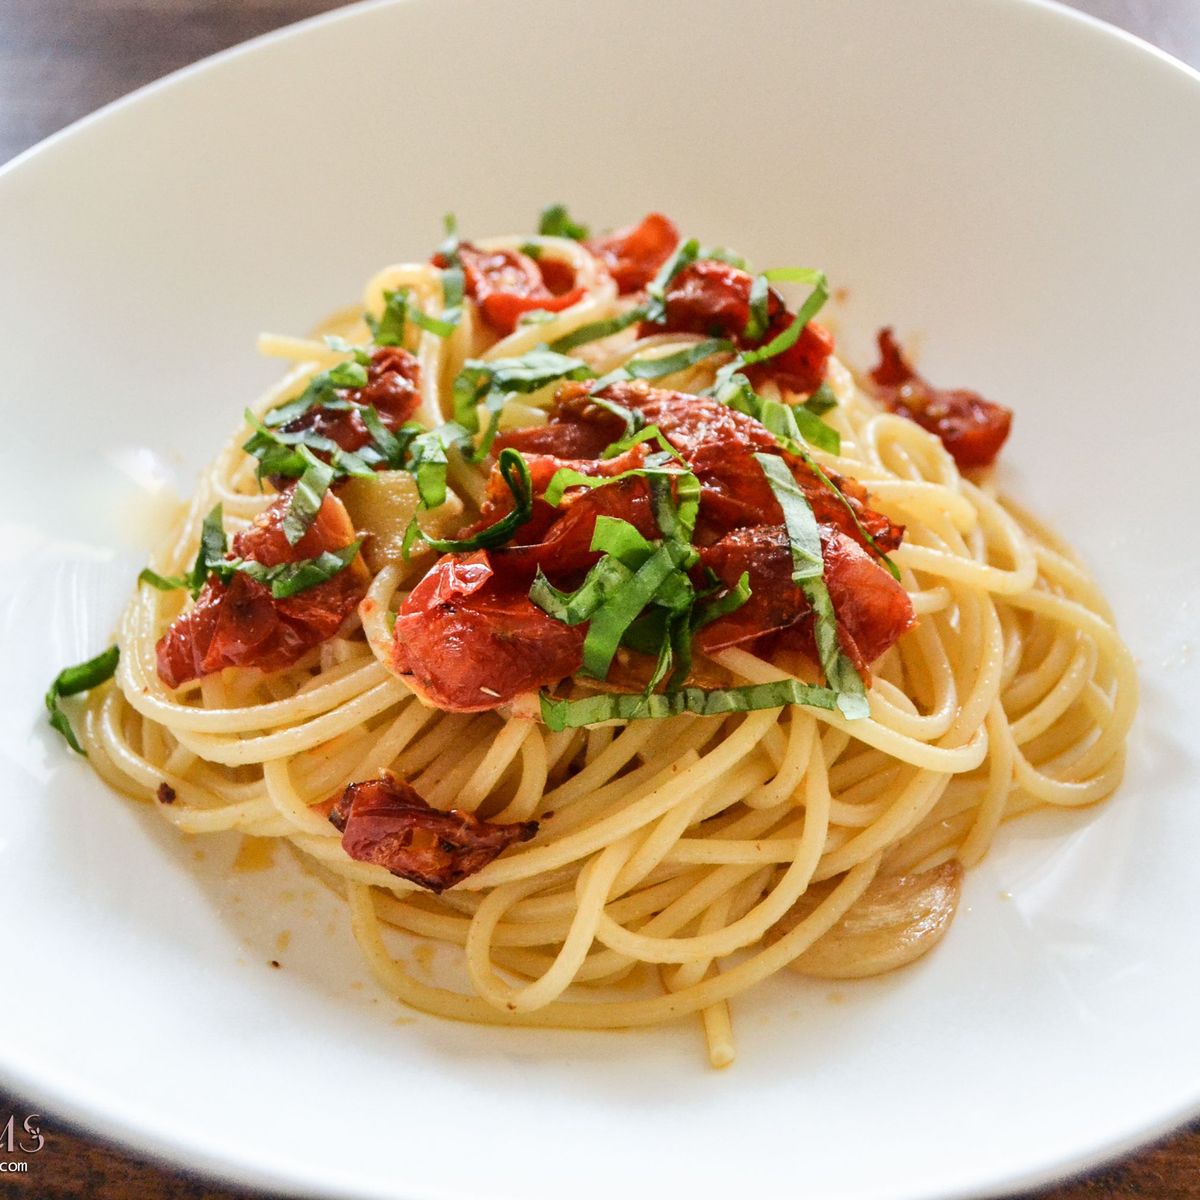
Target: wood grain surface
[{"x": 60, "y": 59}]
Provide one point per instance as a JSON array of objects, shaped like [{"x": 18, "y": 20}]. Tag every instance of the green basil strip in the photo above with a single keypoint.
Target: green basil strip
[
  {"x": 808, "y": 275},
  {"x": 361, "y": 354},
  {"x": 725, "y": 255},
  {"x": 399, "y": 309},
  {"x": 568, "y": 477},
  {"x": 348, "y": 375},
  {"x": 439, "y": 326},
  {"x": 722, "y": 606},
  {"x": 515, "y": 473},
  {"x": 573, "y": 608},
  {"x": 279, "y": 452},
  {"x": 531, "y": 250},
  {"x": 212, "y": 550},
  {"x": 646, "y": 433},
  {"x": 491, "y": 380},
  {"x": 685, "y": 253},
  {"x": 813, "y": 430},
  {"x": 319, "y": 391},
  {"x": 844, "y": 501},
  {"x": 808, "y": 568},
  {"x": 821, "y": 401},
  {"x": 809, "y": 309},
  {"x": 288, "y": 579},
  {"x": 789, "y": 423},
  {"x": 609, "y": 706},
  {"x": 667, "y": 364},
  {"x": 624, "y": 549},
  {"x": 760, "y": 309},
  {"x": 389, "y": 328},
  {"x": 598, "y": 329},
  {"x": 391, "y": 448},
  {"x": 804, "y": 535},
  {"x": 308, "y": 494},
  {"x": 611, "y": 619},
  {"x": 427, "y": 461},
  {"x": 530, "y": 372},
  {"x": 453, "y": 280},
  {"x": 164, "y": 583},
  {"x": 555, "y": 221},
  {"x": 619, "y": 538},
  {"x": 634, "y": 421},
  {"x": 676, "y": 513},
  {"x": 72, "y": 680}
]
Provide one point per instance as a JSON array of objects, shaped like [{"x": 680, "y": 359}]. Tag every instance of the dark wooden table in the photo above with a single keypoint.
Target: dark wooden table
[{"x": 60, "y": 59}]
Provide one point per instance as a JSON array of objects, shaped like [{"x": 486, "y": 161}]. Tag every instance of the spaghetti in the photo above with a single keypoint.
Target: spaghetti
[{"x": 755, "y": 771}]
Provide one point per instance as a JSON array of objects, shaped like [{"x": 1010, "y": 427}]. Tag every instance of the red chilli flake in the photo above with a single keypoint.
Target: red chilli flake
[{"x": 386, "y": 822}]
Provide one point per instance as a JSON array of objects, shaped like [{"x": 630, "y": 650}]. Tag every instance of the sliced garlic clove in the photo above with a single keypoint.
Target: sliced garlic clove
[{"x": 895, "y": 921}]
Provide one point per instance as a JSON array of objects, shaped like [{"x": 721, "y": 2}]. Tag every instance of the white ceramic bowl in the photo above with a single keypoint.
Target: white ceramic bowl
[{"x": 1013, "y": 184}]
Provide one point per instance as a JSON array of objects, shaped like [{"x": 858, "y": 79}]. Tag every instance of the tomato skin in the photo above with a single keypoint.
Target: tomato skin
[
  {"x": 971, "y": 428},
  {"x": 719, "y": 444},
  {"x": 873, "y": 610},
  {"x": 506, "y": 284},
  {"x": 240, "y": 624},
  {"x": 634, "y": 254},
  {"x": 712, "y": 299},
  {"x": 393, "y": 388},
  {"x": 385, "y": 821},
  {"x": 466, "y": 643}
]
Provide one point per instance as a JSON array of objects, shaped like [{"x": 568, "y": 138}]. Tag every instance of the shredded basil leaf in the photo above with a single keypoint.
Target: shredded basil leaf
[
  {"x": 308, "y": 494},
  {"x": 400, "y": 308},
  {"x": 164, "y": 583},
  {"x": 633, "y": 418},
  {"x": 531, "y": 250},
  {"x": 348, "y": 375},
  {"x": 667, "y": 364},
  {"x": 389, "y": 328},
  {"x": 515, "y": 473},
  {"x": 555, "y": 221},
  {"x": 361, "y": 354},
  {"x": 598, "y": 329},
  {"x": 644, "y": 433},
  {"x": 427, "y": 461},
  {"x": 760, "y": 309},
  {"x": 453, "y": 280},
  {"x": 611, "y": 619},
  {"x": 280, "y": 453},
  {"x": 821, "y": 401},
  {"x": 284, "y": 579},
  {"x": 721, "y": 606},
  {"x": 656, "y": 291},
  {"x": 72, "y": 680},
  {"x": 288, "y": 579},
  {"x": 619, "y": 706},
  {"x": 808, "y": 569},
  {"x": 490, "y": 381},
  {"x": 213, "y": 547},
  {"x": 789, "y": 423},
  {"x": 809, "y": 309},
  {"x": 725, "y": 255}
]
